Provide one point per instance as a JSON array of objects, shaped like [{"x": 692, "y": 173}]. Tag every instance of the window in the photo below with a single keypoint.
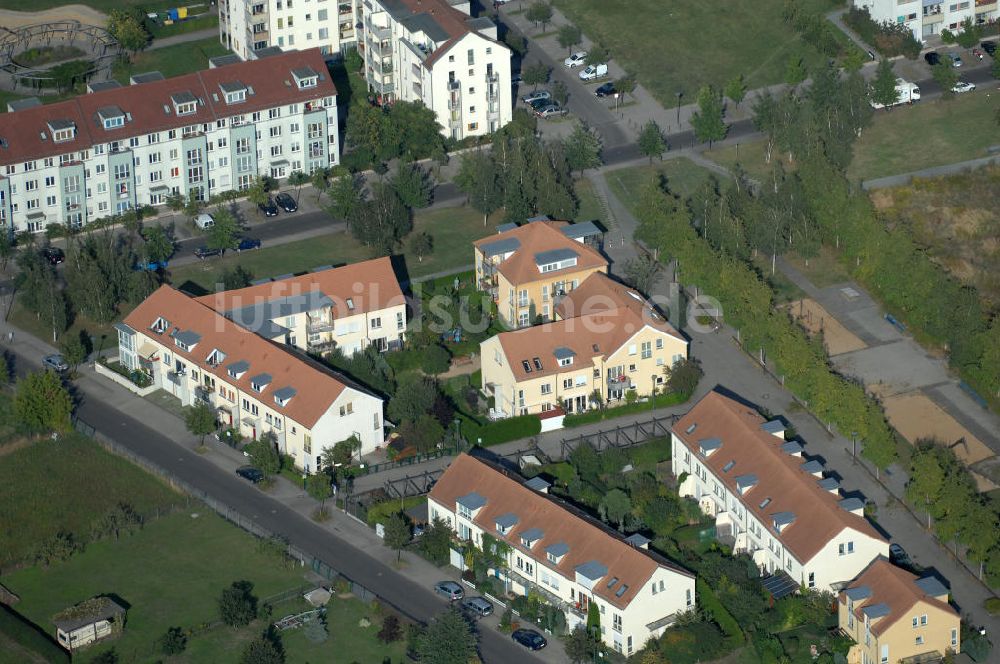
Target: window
[
  {"x": 812, "y": 579},
  {"x": 236, "y": 96},
  {"x": 50, "y": 201},
  {"x": 688, "y": 597},
  {"x": 631, "y": 349},
  {"x": 195, "y": 174},
  {"x": 243, "y": 164},
  {"x": 347, "y": 409},
  {"x": 114, "y": 122},
  {"x": 659, "y": 344},
  {"x": 194, "y": 157},
  {"x": 923, "y": 620},
  {"x": 884, "y": 657},
  {"x": 154, "y": 157},
  {"x": 275, "y": 132},
  {"x": 616, "y": 623},
  {"x": 567, "y": 383},
  {"x": 187, "y": 108},
  {"x": 62, "y": 135},
  {"x": 242, "y": 146},
  {"x": 647, "y": 350},
  {"x": 50, "y": 181},
  {"x": 547, "y": 388},
  {"x": 954, "y": 637},
  {"x": 275, "y": 150}
]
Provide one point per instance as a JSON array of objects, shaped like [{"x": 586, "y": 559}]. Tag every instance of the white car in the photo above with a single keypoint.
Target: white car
[
  {"x": 963, "y": 86},
  {"x": 204, "y": 221},
  {"x": 575, "y": 60},
  {"x": 593, "y": 71}
]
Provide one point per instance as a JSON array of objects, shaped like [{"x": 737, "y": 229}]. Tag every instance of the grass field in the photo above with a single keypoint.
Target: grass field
[
  {"x": 823, "y": 270},
  {"x": 172, "y": 60},
  {"x": 29, "y": 322},
  {"x": 682, "y": 175},
  {"x": 66, "y": 485},
  {"x": 590, "y": 207},
  {"x": 949, "y": 131},
  {"x": 752, "y": 156},
  {"x": 683, "y": 45},
  {"x": 453, "y": 230}
]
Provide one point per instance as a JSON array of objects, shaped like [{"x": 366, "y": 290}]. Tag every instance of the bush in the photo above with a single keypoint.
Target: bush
[
  {"x": 435, "y": 360},
  {"x": 501, "y": 431},
  {"x": 237, "y": 605},
  {"x": 890, "y": 39},
  {"x": 173, "y": 642},
  {"x": 391, "y": 630},
  {"x": 993, "y": 606}
]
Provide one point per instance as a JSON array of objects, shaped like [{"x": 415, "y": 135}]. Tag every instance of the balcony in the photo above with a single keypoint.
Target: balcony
[
  {"x": 204, "y": 394},
  {"x": 319, "y": 326},
  {"x": 343, "y": 9},
  {"x": 620, "y": 383},
  {"x": 493, "y": 77},
  {"x": 454, "y": 85},
  {"x": 379, "y": 34}
]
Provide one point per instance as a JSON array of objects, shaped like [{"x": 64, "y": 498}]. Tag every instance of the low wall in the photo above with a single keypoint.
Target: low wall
[{"x": 116, "y": 377}]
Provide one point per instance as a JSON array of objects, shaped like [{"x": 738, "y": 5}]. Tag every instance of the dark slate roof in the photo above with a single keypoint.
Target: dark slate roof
[
  {"x": 931, "y": 586},
  {"x": 187, "y": 337},
  {"x": 829, "y": 483},
  {"x": 746, "y": 480},
  {"x": 783, "y": 518},
  {"x": 259, "y": 317},
  {"x": 532, "y": 534},
  {"x": 561, "y": 352},
  {"x": 502, "y": 228},
  {"x": 554, "y": 256},
  {"x": 537, "y": 484},
  {"x": 223, "y": 60},
  {"x": 284, "y": 394},
  {"x": 584, "y": 229},
  {"x": 426, "y": 24},
  {"x": 261, "y": 379},
  {"x": 232, "y": 86},
  {"x": 472, "y": 501},
  {"x": 709, "y": 444},
  {"x": 147, "y": 77},
  {"x": 21, "y": 104},
  {"x": 592, "y": 570},
  {"x": 780, "y": 585},
  {"x": 183, "y": 97},
  {"x": 504, "y": 246},
  {"x": 55, "y": 125},
  {"x": 876, "y": 610},
  {"x": 791, "y": 447},
  {"x": 239, "y": 367},
  {"x": 638, "y": 540},
  {"x": 506, "y": 520},
  {"x": 557, "y": 549},
  {"x": 812, "y": 467},
  {"x": 858, "y": 593},
  {"x": 774, "y": 426}
]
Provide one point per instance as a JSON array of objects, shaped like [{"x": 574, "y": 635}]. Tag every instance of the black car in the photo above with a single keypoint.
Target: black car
[
  {"x": 54, "y": 255},
  {"x": 989, "y": 46},
  {"x": 605, "y": 90},
  {"x": 269, "y": 208},
  {"x": 932, "y": 58},
  {"x": 286, "y": 202},
  {"x": 250, "y": 474},
  {"x": 529, "y": 638},
  {"x": 205, "y": 252},
  {"x": 247, "y": 244}
]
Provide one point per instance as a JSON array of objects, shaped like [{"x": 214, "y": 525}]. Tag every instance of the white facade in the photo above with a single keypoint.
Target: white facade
[
  {"x": 133, "y": 146},
  {"x": 246, "y": 26},
  {"x": 434, "y": 53},
  {"x": 929, "y": 17}
]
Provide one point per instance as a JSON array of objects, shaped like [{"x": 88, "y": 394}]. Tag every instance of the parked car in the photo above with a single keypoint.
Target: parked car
[
  {"x": 477, "y": 605},
  {"x": 576, "y": 60},
  {"x": 286, "y": 202},
  {"x": 529, "y": 638},
  {"x": 963, "y": 86},
  {"x": 204, "y": 221},
  {"x": 899, "y": 555},
  {"x": 989, "y": 46},
  {"x": 605, "y": 90},
  {"x": 205, "y": 252},
  {"x": 516, "y": 79},
  {"x": 550, "y": 111},
  {"x": 54, "y": 255},
  {"x": 150, "y": 266},
  {"x": 956, "y": 59},
  {"x": 250, "y": 474},
  {"x": 932, "y": 58},
  {"x": 247, "y": 244},
  {"x": 537, "y": 95},
  {"x": 55, "y": 362},
  {"x": 269, "y": 208},
  {"x": 540, "y": 103},
  {"x": 449, "y": 589},
  {"x": 593, "y": 71}
]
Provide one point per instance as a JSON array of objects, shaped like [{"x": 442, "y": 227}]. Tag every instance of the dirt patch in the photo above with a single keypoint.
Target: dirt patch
[
  {"x": 13, "y": 446},
  {"x": 815, "y": 319},
  {"x": 13, "y": 20},
  {"x": 915, "y": 416}
]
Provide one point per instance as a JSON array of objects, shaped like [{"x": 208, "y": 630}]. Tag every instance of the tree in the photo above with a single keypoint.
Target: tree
[
  {"x": 582, "y": 149},
  {"x": 582, "y": 646},
  {"x": 641, "y": 273},
  {"x": 535, "y": 74},
  {"x": 298, "y": 178},
  {"x": 539, "y": 12},
  {"x": 927, "y": 477},
  {"x": 969, "y": 35},
  {"x": 345, "y": 196},
  {"x": 316, "y": 630},
  {"x": 795, "y": 71},
  {"x": 224, "y": 233},
  {"x": 683, "y": 377},
  {"x": 234, "y": 278},
  {"x": 173, "y": 642},
  {"x": 257, "y": 193},
  {"x": 615, "y": 506},
  {"x": 127, "y": 27},
  {"x": 397, "y": 534},
  {"x": 193, "y": 205},
  {"x": 200, "y": 420},
  {"x": 425, "y": 433},
  {"x": 414, "y": 397},
  {"x": 370, "y": 133},
  {"x": 319, "y": 488},
  {"x": 42, "y": 403},
  {"x": 736, "y": 89},
  {"x": 73, "y": 351},
  {"x": 391, "y": 630},
  {"x": 707, "y": 120},
  {"x": 158, "y": 247},
  {"x": 237, "y": 604},
  {"x": 515, "y": 42},
  {"x": 884, "y": 85},
  {"x": 560, "y": 93},
  {"x": 436, "y": 541},
  {"x": 597, "y": 55},
  {"x": 625, "y": 85},
  {"x": 995, "y": 67},
  {"x": 39, "y": 291},
  {"x": 413, "y": 186},
  {"x": 382, "y": 221},
  {"x": 265, "y": 649},
  {"x": 569, "y": 36},
  {"x": 945, "y": 76},
  {"x": 478, "y": 178},
  {"x": 421, "y": 244},
  {"x": 341, "y": 453},
  {"x": 449, "y": 639},
  {"x": 651, "y": 140},
  {"x": 417, "y": 132},
  {"x": 263, "y": 454},
  {"x": 435, "y": 359},
  {"x": 319, "y": 183}
]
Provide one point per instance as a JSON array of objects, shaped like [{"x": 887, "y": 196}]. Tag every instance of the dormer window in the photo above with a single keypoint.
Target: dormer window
[
  {"x": 260, "y": 382},
  {"x": 283, "y": 396},
  {"x": 62, "y": 130},
  {"x": 566, "y": 361},
  {"x": 160, "y": 325},
  {"x": 111, "y": 117},
  {"x": 505, "y": 522},
  {"x": 238, "y": 369},
  {"x": 350, "y": 304},
  {"x": 564, "y": 356},
  {"x": 185, "y": 103},
  {"x": 305, "y": 77},
  {"x": 555, "y": 552},
  {"x": 235, "y": 91},
  {"x": 216, "y": 357},
  {"x": 186, "y": 340},
  {"x": 530, "y": 536}
]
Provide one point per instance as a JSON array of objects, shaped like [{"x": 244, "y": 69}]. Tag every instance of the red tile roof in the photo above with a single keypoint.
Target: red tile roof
[
  {"x": 895, "y": 588},
  {"x": 537, "y": 237},
  {"x": 586, "y": 539},
  {"x": 818, "y": 517},
  {"x": 270, "y": 78}
]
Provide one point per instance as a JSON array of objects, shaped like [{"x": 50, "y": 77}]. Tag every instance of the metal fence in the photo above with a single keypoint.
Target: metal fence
[
  {"x": 621, "y": 437},
  {"x": 373, "y": 468}
]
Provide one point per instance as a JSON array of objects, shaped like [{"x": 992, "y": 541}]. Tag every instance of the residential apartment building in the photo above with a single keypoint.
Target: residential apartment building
[
  {"x": 434, "y": 52},
  {"x": 526, "y": 268},
  {"x": 926, "y": 18},
  {"x": 248, "y": 27},
  {"x": 118, "y": 148},
  {"x": 345, "y": 308},
  {"x": 606, "y": 339},
  {"x": 561, "y": 554},
  {"x": 767, "y": 499},
  {"x": 255, "y": 385},
  {"x": 895, "y": 616}
]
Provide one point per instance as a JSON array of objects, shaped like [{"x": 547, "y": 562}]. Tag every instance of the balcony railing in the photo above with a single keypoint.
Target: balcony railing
[{"x": 319, "y": 326}]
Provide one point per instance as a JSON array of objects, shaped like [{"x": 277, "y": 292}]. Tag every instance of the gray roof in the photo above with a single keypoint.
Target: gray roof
[
  {"x": 709, "y": 444},
  {"x": 561, "y": 352},
  {"x": 851, "y": 504},
  {"x": 223, "y": 60},
  {"x": 147, "y": 77},
  {"x": 540, "y": 217},
  {"x": 284, "y": 394},
  {"x": 267, "y": 52},
  {"x": 813, "y": 466},
  {"x": 232, "y": 86},
  {"x": 829, "y": 483},
  {"x": 637, "y": 540},
  {"x": 101, "y": 86},
  {"x": 304, "y": 72},
  {"x": 774, "y": 426},
  {"x": 537, "y": 484},
  {"x": 259, "y": 317},
  {"x": 931, "y": 586},
  {"x": 479, "y": 23},
  {"x": 102, "y": 610},
  {"x": 876, "y": 610},
  {"x": 261, "y": 379},
  {"x": 21, "y": 104},
  {"x": 746, "y": 480},
  {"x": 122, "y": 327},
  {"x": 506, "y": 520},
  {"x": 592, "y": 570},
  {"x": 577, "y": 231},
  {"x": 532, "y": 534},
  {"x": 557, "y": 549},
  {"x": 554, "y": 256},
  {"x": 497, "y": 247},
  {"x": 239, "y": 367},
  {"x": 55, "y": 125},
  {"x": 791, "y": 447},
  {"x": 426, "y": 24},
  {"x": 858, "y": 593},
  {"x": 783, "y": 518},
  {"x": 184, "y": 97},
  {"x": 187, "y": 337},
  {"x": 106, "y": 112},
  {"x": 471, "y": 501},
  {"x": 502, "y": 228}
]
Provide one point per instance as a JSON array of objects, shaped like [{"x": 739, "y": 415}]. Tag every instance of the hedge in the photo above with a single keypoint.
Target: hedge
[
  {"x": 501, "y": 431},
  {"x": 710, "y": 603},
  {"x": 599, "y": 414},
  {"x": 30, "y": 637}
]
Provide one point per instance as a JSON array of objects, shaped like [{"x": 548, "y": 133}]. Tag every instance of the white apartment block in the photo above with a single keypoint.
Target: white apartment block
[
  {"x": 767, "y": 500},
  {"x": 563, "y": 555},
  {"x": 118, "y": 148},
  {"x": 248, "y": 27},
  {"x": 434, "y": 52},
  {"x": 926, "y": 18}
]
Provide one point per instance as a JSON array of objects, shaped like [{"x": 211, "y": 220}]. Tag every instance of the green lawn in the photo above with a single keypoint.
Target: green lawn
[
  {"x": 590, "y": 207},
  {"x": 173, "y": 60},
  {"x": 949, "y": 131},
  {"x": 29, "y": 322},
  {"x": 66, "y": 485},
  {"x": 822, "y": 270},
  {"x": 683, "y": 45},
  {"x": 752, "y": 156},
  {"x": 683, "y": 178},
  {"x": 453, "y": 230}
]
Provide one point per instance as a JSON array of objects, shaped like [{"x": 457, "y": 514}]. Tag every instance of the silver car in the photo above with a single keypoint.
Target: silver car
[
  {"x": 537, "y": 95},
  {"x": 550, "y": 111},
  {"x": 55, "y": 362},
  {"x": 449, "y": 589},
  {"x": 477, "y": 605}
]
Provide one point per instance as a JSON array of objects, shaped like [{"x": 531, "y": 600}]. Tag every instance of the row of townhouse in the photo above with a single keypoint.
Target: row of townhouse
[
  {"x": 435, "y": 52},
  {"x": 926, "y": 18},
  {"x": 243, "y": 352},
  {"x": 251, "y": 27},
  {"x": 121, "y": 147},
  {"x": 561, "y": 554},
  {"x": 767, "y": 499},
  {"x": 605, "y": 340}
]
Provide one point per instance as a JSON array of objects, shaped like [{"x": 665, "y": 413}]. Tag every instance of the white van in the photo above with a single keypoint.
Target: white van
[
  {"x": 594, "y": 71},
  {"x": 204, "y": 221}
]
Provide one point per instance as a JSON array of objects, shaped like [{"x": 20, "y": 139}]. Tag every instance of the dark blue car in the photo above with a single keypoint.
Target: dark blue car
[
  {"x": 529, "y": 638},
  {"x": 150, "y": 266},
  {"x": 248, "y": 243}
]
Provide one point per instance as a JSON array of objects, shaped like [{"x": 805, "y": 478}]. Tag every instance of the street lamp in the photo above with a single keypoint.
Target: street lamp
[
  {"x": 854, "y": 444},
  {"x": 458, "y": 435},
  {"x": 680, "y": 93},
  {"x": 652, "y": 394}
]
